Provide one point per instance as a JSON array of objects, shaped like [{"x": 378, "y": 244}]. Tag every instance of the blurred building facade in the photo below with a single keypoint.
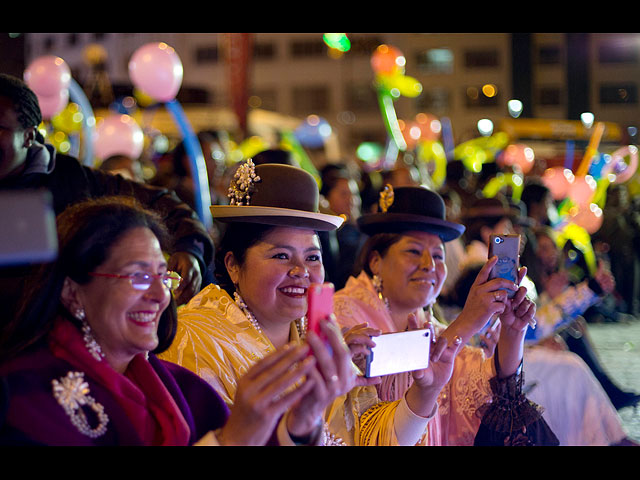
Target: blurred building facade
[{"x": 465, "y": 76}]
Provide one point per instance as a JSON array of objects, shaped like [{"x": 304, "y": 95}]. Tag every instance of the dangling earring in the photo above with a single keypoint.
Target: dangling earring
[
  {"x": 430, "y": 311},
  {"x": 89, "y": 341},
  {"x": 377, "y": 284}
]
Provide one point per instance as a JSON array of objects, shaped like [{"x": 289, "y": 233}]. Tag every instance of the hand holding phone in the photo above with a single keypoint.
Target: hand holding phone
[
  {"x": 319, "y": 305},
  {"x": 507, "y": 249},
  {"x": 399, "y": 352}
]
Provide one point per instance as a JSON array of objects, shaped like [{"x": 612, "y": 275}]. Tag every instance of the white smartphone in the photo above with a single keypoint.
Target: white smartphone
[{"x": 399, "y": 352}]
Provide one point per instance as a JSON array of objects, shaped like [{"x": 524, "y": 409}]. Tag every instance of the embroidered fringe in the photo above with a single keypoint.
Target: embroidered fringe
[
  {"x": 511, "y": 419},
  {"x": 509, "y": 409}
]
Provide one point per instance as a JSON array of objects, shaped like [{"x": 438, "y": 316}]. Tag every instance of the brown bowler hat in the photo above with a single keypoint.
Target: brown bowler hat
[
  {"x": 275, "y": 194},
  {"x": 410, "y": 208}
]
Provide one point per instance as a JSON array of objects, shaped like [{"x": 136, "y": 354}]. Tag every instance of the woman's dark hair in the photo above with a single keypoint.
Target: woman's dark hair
[
  {"x": 534, "y": 192},
  {"x": 237, "y": 239},
  {"x": 86, "y": 233},
  {"x": 474, "y": 227},
  {"x": 380, "y": 242},
  {"x": 330, "y": 176}
]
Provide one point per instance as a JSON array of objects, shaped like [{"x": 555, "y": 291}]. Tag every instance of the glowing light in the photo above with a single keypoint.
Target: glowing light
[
  {"x": 368, "y": 151},
  {"x": 415, "y": 132},
  {"x": 515, "y": 108},
  {"x": 485, "y": 127},
  {"x": 490, "y": 90},
  {"x": 587, "y": 119},
  {"x": 337, "y": 41}
]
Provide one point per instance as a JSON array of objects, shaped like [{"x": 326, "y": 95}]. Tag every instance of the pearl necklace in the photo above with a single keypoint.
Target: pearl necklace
[
  {"x": 247, "y": 313},
  {"x": 301, "y": 324}
]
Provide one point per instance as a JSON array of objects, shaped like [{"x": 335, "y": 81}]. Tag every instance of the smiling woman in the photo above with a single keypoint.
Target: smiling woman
[
  {"x": 78, "y": 366},
  {"x": 268, "y": 258},
  {"x": 403, "y": 270}
]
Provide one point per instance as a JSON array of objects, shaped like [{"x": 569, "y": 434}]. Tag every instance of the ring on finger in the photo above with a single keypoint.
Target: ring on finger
[{"x": 496, "y": 296}]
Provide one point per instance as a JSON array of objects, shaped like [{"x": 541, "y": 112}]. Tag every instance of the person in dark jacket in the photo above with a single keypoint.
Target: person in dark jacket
[{"x": 26, "y": 162}]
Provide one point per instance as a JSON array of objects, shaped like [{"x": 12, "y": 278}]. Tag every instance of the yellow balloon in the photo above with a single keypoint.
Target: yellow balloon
[
  {"x": 582, "y": 240},
  {"x": 60, "y": 141},
  {"x": 142, "y": 98},
  {"x": 251, "y": 146},
  {"x": 408, "y": 86},
  {"x": 69, "y": 120},
  {"x": 403, "y": 84},
  {"x": 432, "y": 151},
  {"x": 504, "y": 180}
]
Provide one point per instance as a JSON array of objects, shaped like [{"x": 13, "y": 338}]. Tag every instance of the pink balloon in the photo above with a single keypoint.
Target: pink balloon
[
  {"x": 52, "y": 105},
  {"x": 558, "y": 180},
  {"x": 589, "y": 217},
  {"x": 47, "y": 76},
  {"x": 617, "y": 158},
  {"x": 582, "y": 191},
  {"x": 118, "y": 135},
  {"x": 156, "y": 69},
  {"x": 518, "y": 154}
]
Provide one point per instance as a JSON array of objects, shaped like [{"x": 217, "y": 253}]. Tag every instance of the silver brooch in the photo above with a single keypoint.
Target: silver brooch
[
  {"x": 72, "y": 393},
  {"x": 242, "y": 185},
  {"x": 386, "y": 198}
]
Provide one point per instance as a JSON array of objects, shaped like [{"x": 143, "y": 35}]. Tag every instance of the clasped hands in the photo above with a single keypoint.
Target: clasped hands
[{"x": 300, "y": 381}]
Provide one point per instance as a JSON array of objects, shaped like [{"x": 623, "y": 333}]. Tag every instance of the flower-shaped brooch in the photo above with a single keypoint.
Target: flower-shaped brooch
[{"x": 72, "y": 393}]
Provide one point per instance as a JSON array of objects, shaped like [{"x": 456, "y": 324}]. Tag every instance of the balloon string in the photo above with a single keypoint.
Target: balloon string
[
  {"x": 78, "y": 96},
  {"x": 198, "y": 167}
]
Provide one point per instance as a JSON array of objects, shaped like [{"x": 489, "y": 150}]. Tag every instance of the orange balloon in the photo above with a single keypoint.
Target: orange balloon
[{"x": 387, "y": 60}]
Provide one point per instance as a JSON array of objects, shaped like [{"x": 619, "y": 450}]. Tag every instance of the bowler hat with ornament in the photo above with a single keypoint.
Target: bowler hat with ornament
[
  {"x": 275, "y": 194},
  {"x": 413, "y": 208}
]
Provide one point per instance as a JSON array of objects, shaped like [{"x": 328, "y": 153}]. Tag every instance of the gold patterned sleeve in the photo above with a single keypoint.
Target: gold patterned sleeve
[{"x": 195, "y": 348}]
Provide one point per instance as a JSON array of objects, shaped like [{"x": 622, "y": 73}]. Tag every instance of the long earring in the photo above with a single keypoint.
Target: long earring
[
  {"x": 430, "y": 311},
  {"x": 89, "y": 341},
  {"x": 377, "y": 284}
]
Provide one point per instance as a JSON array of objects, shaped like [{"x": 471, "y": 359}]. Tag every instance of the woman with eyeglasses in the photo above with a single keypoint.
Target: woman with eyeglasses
[{"x": 78, "y": 364}]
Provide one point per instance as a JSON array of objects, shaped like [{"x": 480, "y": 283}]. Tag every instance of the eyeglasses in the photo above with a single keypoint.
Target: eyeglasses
[{"x": 142, "y": 280}]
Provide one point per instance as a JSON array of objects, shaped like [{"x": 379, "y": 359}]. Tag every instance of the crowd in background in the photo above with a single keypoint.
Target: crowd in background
[{"x": 567, "y": 292}]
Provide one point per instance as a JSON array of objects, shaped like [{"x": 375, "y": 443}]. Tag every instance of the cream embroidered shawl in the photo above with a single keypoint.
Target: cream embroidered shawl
[{"x": 456, "y": 422}]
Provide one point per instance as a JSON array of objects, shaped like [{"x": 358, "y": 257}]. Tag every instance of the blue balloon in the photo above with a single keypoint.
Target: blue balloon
[
  {"x": 198, "y": 167},
  {"x": 597, "y": 164},
  {"x": 313, "y": 134},
  {"x": 77, "y": 95}
]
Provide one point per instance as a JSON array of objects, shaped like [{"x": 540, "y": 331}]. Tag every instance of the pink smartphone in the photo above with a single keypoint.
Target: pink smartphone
[{"x": 319, "y": 304}]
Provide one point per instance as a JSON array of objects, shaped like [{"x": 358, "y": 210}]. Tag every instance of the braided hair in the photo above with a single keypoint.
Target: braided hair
[{"x": 25, "y": 102}]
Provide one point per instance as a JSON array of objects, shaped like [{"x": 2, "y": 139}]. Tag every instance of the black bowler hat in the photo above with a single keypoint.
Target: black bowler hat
[
  {"x": 410, "y": 208},
  {"x": 275, "y": 194}
]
